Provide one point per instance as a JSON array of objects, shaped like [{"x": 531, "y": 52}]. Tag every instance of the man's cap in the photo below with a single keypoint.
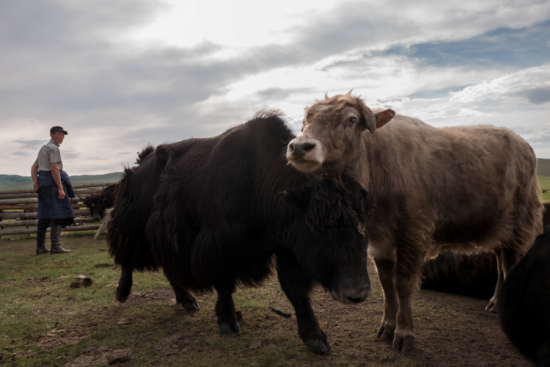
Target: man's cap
[{"x": 56, "y": 129}]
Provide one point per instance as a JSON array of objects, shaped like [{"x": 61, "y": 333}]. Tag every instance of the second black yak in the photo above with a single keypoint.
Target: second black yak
[
  {"x": 524, "y": 303},
  {"x": 469, "y": 275}
]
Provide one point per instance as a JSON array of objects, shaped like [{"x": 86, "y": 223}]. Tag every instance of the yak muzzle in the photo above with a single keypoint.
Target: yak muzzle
[
  {"x": 347, "y": 296},
  {"x": 299, "y": 150},
  {"x": 305, "y": 153}
]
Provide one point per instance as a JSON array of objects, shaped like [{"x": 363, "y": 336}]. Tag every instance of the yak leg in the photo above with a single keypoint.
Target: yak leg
[
  {"x": 297, "y": 285},
  {"x": 225, "y": 309},
  {"x": 103, "y": 226},
  {"x": 184, "y": 298},
  {"x": 386, "y": 271},
  {"x": 124, "y": 286},
  {"x": 491, "y": 306},
  {"x": 506, "y": 259},
  {"x": 406, "y": 277}
]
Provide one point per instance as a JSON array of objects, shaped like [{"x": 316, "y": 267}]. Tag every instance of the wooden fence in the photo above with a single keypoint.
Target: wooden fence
[{"x": 18, "y": 210}]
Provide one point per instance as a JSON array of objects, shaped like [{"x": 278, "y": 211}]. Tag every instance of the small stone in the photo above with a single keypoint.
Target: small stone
[
  {"x": 255, "y": 345},
  {"x": 121, "y": 355}
]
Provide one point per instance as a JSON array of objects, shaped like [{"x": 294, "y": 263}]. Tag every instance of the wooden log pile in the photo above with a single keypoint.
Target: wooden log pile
[{"x": 18, "y": 210}]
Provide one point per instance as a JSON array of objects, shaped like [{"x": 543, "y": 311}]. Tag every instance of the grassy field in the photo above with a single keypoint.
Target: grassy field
[
  {"x": 45, "y": 322},
  {"x": 545, "y": 184}
]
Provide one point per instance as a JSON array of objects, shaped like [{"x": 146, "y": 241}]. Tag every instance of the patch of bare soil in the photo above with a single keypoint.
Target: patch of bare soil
[
  {"x": 100, "y": 356},
  {"x": 49, "y": 341},
  {"x": 173, "y": 344},
  {"x": 70, "y": 336},
  {"x": 451, "y": 330},
  {"x": 158, "y": 295}
]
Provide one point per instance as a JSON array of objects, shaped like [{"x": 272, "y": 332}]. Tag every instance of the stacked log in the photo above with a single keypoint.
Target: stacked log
[{"x": 23, "y": 205}]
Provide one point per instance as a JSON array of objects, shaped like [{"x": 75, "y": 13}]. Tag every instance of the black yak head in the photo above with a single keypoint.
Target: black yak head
[
  {"x": 96, "y": 205},
  {"x": 330, "y": 235}
]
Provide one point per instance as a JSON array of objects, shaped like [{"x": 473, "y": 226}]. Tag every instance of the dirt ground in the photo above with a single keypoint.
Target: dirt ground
[{"x": 150, "y": 329}]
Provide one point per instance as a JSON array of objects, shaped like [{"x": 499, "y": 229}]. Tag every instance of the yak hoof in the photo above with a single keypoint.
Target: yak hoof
[
  {"x": 119, "y": 297},
  {"x": 403, "y": 344},
  {"x": 191, "y": 306},
  {"x": 227, "y": 329},
  {"x": 491, "y": 306},
  {"x": 385, "y": 332},
  {"x": 317, "y": 345}
]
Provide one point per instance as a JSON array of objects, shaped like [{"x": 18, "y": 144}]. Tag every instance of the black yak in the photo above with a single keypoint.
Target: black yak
[
  {"x": 221, "y": 212},
  {"x": 101, "y": 205},
  {"x": 470, "y": 275},
  {"x": 524, "y": 304}
]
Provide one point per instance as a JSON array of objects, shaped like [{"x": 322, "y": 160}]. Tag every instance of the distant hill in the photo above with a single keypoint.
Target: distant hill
[{"x": 15, "y": 182}]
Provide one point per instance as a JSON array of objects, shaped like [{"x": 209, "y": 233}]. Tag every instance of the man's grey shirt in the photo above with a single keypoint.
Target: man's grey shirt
[{"x": 47, "y": 155}]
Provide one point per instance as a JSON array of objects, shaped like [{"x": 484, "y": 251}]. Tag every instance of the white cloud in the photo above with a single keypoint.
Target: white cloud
[
  {"x": 508, "y": 88},
  {"x": 119, "y": 76}
]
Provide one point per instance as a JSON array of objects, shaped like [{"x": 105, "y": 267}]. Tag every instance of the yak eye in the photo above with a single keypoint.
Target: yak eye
[{"x": 352, "y": 120}]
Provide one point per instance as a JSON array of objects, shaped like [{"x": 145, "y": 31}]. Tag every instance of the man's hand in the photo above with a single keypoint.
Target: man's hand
[
  {"x": 57, "y": 178},
  {"x": 34, "y": 175}
]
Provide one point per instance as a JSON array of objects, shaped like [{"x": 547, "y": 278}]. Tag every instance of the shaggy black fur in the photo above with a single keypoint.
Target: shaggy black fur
[
  {"x": 223, "y": 206},
  {"x": 133, "y": 206},
  {"x": 97, "y": 203},
  {"x": 144, "y": 154},
  {"x": 469, "y": 275},
  {"x": 524, "y": 302}
]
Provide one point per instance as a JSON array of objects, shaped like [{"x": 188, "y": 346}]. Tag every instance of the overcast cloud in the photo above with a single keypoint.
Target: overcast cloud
[{"x": 119, "y": 75}]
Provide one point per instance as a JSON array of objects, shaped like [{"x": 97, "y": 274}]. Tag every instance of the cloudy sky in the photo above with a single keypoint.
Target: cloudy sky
[{"x": 121, "y": 74}]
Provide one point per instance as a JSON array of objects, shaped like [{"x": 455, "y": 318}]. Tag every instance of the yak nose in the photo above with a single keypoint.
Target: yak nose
[
  {"x": 299, "y": 150},
  {"x": 361, "y": 294}
]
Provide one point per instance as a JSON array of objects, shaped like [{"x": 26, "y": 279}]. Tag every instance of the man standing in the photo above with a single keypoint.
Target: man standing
[{"x": 54, "y": 189}]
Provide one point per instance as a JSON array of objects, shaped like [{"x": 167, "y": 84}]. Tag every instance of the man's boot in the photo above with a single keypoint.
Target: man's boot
[
  {"x": 55, "y": 233},
  {"x": 41, "y": 242}
]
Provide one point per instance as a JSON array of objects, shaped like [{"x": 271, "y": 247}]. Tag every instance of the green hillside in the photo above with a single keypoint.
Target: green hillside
[
  {"x": 543, "y": 167},
  {"x": 15, "y": 182}
]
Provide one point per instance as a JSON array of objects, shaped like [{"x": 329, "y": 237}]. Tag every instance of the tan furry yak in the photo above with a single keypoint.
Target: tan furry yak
[{"x": 467, "y": 189}]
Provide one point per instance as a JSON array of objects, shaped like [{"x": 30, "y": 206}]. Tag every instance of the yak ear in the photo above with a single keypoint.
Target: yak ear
[
  {"x": 383, "y": 117},
  {"x": 368, "y": 120},
  {"x": 296, "y": 197}
]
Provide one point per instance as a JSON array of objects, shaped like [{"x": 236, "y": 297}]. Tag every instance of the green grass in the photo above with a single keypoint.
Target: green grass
[{"x": 545, "y": 184}]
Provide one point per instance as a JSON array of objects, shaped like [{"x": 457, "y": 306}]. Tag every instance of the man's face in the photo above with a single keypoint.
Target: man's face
[{"x": 58, "y": 137}]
